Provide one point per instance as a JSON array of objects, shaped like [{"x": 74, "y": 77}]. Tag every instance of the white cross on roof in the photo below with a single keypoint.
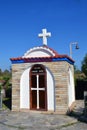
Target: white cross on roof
[{"x": 44, "y": 35}]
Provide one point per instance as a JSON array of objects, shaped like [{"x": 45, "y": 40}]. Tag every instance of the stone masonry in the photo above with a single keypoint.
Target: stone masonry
[{"x": 59, "y": 70}]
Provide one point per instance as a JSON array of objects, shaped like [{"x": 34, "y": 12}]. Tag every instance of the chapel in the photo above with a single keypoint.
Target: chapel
[{"x": 43, "y": 80}]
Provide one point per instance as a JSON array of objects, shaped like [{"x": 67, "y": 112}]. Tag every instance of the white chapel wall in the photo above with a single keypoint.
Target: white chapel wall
[
  {"x": 71, "y": 89},
  {"x": 24, "y": 90},
  {"x": 50, "y": 91},
  {"x": 38, "y": 54}
]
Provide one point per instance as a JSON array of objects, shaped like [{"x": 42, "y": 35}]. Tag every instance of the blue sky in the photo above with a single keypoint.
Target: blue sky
[{"x": 22, "y": 20}]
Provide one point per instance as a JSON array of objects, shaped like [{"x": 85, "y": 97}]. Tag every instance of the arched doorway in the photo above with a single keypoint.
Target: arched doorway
[{"x": 38, "y": 88}]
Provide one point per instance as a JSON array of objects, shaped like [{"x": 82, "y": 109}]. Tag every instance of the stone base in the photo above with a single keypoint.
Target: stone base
[{"x": 42, "y": 112}]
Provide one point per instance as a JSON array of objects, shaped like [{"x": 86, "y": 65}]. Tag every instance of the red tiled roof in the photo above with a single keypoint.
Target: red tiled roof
[{"x": 41, "y": 59}]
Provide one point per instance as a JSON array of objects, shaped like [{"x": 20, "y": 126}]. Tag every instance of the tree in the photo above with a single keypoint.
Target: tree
[
  {"x": 76, "y": 70},
  {"x": 0, "y": 72},
  {"x": 84, "y": 65}
]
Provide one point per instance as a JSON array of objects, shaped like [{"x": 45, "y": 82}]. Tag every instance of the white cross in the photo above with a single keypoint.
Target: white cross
[{"x": 44, "y": 35}]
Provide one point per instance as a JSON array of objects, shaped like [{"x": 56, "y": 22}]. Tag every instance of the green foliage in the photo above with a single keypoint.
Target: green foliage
[
  {"x": 8, "y": 92},
  {"x": 5, "y": 83},
  {"x": 5, "y": 73},
  {"x": 0, "y": 88},
  {"x": 76, "y": 70},
  {"x": 5, "y": 78},
  {"x": 84, "y": 65},
  {"x": 78, "y": 75}
]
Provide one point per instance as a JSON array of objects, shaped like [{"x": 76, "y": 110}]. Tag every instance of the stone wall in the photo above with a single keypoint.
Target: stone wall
[{"x": 60, "y": 73}]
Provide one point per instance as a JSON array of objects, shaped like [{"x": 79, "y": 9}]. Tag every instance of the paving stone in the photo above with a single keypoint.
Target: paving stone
[{"x": 38, "y": 121}]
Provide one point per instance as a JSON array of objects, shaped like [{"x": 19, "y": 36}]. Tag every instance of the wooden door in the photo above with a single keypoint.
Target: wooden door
[{"x": 38, "y": 91}]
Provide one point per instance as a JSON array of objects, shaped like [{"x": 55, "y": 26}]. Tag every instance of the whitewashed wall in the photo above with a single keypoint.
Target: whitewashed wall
[
  {"x": 71, "y": 89},
  {"x": 24, "y": 90}
]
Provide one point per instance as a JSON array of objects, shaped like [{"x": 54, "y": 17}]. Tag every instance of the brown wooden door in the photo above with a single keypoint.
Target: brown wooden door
[{"x": 38, "y": 94}]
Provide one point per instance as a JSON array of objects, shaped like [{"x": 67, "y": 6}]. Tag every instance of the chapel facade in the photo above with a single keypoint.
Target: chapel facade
[{"x": 43, "y": 80}]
